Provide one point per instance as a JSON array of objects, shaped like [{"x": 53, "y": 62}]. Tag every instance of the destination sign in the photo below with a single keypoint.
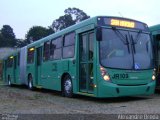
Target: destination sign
[{"x": 121, "y": 22}]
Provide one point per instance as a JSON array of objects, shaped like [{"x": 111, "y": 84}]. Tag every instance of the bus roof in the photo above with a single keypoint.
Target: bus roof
[
  {"x": 86, "y": 22},
  {"x": 155, "y": 29}
]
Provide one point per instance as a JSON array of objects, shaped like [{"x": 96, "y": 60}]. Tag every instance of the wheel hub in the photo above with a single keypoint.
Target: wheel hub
[{"x": 67, "y": 86}]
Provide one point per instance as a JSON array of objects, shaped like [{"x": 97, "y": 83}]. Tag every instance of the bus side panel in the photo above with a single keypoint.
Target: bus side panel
[
  {"x": 56, "y": 73},
  {"x": 10, "y": 74},
  {"x": 4, "y": 73},
  {"x": 69, "y": 67},
  {"x": 50, "y": 75},
  {"x": 73, "y": 71},
  {"x": 47, "y": 81},
  {"x": 30, "y": 71}
]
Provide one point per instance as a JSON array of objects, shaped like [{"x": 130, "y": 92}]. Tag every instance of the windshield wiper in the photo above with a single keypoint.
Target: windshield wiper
[
  {"x": 138, "y": 36},
  {"x": 127, "y": 44},
  {"x": 136, "y": 40},
  {"x": 123, "y": 38},
  {"x": 133, "y": 50},
  {"x": 133, "y": 44}
]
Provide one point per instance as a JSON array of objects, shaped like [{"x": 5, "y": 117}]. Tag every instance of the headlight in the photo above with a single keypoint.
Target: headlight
[
  {"x": 106, "y": 77},
  {"x": 154, "y": 74},
  {"x": 153, "y": 77},
  {"x": 104, "y": 74}
]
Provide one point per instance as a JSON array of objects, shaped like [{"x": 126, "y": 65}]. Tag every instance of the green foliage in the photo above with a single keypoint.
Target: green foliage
[
  {"x": 77, "y": 14},
  {"x": 21, "y": 43},
  {"x": 7, "y": 32},
  {"x": 7, "y": 37},
  {"x": 62, "y": 22},
  {"x": 71, "y": 17},
  {"x": 37, "y": 32}
]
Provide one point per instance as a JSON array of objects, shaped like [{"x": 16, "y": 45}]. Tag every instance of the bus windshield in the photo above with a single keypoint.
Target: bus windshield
[{"x": 125, "y": 49}]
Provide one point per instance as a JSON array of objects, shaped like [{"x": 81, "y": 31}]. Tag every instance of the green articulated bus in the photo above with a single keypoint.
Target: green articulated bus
[
  {"x": 155, "y": 31},
  {"x": 11, "y": 68},
  {"x": 99, "y": 57}
]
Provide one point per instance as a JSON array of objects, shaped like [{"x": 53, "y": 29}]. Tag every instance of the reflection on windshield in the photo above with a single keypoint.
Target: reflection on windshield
[
  {"x": 115, "y": 53},
  {"x": 143, "y": 56}
]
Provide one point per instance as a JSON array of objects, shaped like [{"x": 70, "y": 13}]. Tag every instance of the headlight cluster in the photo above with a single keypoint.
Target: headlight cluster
[
  {"x": 104, "y": 74},
  {"x": 154, "y": 74}
]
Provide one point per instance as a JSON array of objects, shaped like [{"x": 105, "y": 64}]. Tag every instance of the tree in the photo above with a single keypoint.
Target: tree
[
  {"x": 21, "y": 43},
  {"x": 37, "y": 32},
  {"x": 77, "y": 14},
  {"x": 62, "y": 22},
  {"x": 71, "y": 17},
  {"x": 7, "y": 32},
  {"x": 1, "y": 40},
  {"x": 7, "y": 37}
]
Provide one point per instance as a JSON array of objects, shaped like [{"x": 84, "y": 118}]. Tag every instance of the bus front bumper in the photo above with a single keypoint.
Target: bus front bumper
[{"x": 107, "y": 89}]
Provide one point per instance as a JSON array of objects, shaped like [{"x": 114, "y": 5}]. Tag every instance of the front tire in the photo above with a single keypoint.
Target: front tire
[{"x": 67, "y": 87}]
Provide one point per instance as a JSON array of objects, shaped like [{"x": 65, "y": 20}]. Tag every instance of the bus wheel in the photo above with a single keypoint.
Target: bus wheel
[
  {"x": 30, "y": 82},
  {"x": 67, "y": 87},
  {"x": 9, "y": 81}
]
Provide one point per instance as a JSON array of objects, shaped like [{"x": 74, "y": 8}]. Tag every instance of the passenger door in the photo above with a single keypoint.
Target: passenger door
[{"x": 86, "y": 68}]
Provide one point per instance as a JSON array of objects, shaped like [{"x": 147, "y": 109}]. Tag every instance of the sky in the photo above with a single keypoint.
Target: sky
[{"x": 21, "y": 15}]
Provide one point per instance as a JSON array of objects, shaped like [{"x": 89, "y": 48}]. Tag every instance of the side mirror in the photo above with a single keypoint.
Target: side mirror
[{"x": 99, "y": 34}]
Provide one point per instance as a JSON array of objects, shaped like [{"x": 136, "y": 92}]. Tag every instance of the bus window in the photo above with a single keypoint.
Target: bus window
[
  {"x": 83, "y": 48},
  {"x": 10, "y": 62},
  {"x": 46, "y": 51},
  {"x": 68, "y": 46},
  {"x": 55, "y": 49},
  {"x": 30, "y": 58},
  {"x": 69, "y": 39}
]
